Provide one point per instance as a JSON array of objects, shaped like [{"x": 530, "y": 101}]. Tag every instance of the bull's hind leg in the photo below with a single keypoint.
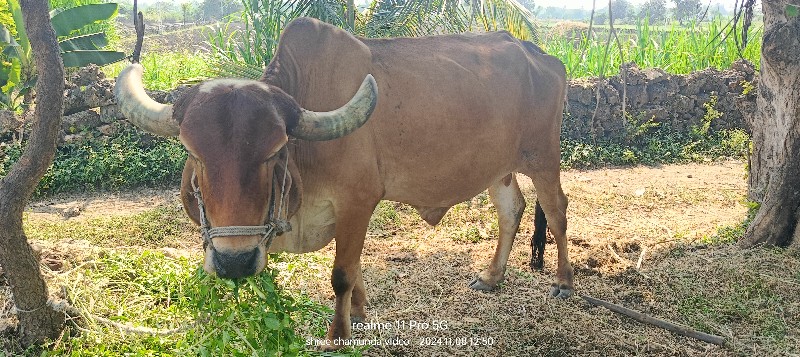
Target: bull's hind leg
[
  {"x": 554, "y": 204},
  {"x": 509, "y": 202}
]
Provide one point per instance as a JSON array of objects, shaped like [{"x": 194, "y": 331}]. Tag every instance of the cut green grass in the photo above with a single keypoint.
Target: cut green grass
[
  {"x": 142, "y": 287},
  {"x": 217, "y": 317}
]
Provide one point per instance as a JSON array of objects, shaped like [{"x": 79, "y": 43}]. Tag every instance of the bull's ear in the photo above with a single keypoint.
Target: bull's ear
[
  {"x": 287, "y": 109},
  {"x": 187, "y": 194},
  {"x": 183, "y": 102},
  {"x": 296, "y": 191}
]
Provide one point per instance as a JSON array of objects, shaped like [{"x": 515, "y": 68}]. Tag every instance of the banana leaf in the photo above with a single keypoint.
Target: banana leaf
[
  {"x": 82, "y": 58},
  {"x": 77, "y": 17},
  {"x": 93, "y": 41}
]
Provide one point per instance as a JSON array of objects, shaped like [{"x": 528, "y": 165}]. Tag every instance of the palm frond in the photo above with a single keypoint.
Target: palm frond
[
  {"x": 507, "y": 15},
  {"x": 264, "y": 20},
  {"x": 392, "y": 18}
]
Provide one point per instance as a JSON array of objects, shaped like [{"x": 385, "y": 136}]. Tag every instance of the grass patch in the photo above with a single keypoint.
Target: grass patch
[
  {"x": 676, "y": 49},
  {"x": 153, "y": 228},
  {"x": 253, "y": 316},
  {"x": 140, "y": 286},
  {"x": 167, "y": 70},
  {"x": 734, "y": 233},
  {"x": 384, "y": 217},
  {"x": 662, "y": 146},
  {"x": 745, "y": 297}
]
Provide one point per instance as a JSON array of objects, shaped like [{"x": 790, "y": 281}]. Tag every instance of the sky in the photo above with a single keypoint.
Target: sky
[{"x": 577, "y": 4}]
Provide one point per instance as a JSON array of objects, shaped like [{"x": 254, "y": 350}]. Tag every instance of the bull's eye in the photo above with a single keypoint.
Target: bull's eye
[
  {"x": 274, "y": 153},
  {"x": 194, "y": 158}
]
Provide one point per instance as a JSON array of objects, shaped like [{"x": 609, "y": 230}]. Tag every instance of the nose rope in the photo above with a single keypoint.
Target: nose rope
[{"x": 272, "y": 227}]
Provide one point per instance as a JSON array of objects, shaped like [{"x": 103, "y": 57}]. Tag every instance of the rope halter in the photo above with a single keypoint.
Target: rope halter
[{"x": 276, "y": 223}]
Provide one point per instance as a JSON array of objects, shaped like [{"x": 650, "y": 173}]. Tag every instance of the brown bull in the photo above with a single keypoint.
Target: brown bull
[{"x": 455, "y": 114}]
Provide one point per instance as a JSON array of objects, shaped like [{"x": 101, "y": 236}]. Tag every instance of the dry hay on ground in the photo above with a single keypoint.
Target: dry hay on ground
[{"x": 416, "y": 274}]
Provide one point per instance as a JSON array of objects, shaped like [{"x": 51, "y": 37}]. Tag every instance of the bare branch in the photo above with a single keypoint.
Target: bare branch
[{"x": 667, "y": 325}]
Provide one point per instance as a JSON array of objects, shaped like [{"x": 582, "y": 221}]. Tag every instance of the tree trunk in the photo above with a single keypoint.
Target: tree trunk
[
  {"x": 774, "y": 179},
  {"x": 38, "y": 322},
  {"x": 350, "y": 15}
]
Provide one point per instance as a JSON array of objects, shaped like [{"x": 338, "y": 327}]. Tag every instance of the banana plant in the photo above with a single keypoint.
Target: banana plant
[
  {"x": 79, "y": 51},
  {"x": 17, "y": 75}
]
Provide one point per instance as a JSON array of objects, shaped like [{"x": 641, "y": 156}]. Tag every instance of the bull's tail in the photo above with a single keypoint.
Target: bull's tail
[{"x": 539, "y": 238}]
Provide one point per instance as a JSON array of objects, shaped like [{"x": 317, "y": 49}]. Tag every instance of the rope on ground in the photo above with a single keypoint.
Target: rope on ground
[{"x": 671, "y": 326}]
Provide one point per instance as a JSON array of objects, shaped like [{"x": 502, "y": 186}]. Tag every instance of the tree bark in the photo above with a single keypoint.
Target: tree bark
[
  {"x": 350, "y": 15},
  {"x": 38, "y": 322},
  {"x": 774, "y": 179}
]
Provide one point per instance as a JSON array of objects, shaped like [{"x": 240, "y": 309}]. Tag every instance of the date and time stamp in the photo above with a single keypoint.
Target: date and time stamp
[{"x": 435, "y": 333}]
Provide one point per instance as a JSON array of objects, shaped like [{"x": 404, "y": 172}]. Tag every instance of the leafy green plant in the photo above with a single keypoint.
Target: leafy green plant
[
  {"x": 17, "y": 77},
  {"x": 247, "y": 317},
  {"x": 662, "y": 145},
  {"x": 218, "y": 317},
  {"x": 167, "y": 70},
  {"x": 637, "y": 127},
  {"x": 470, "y": 234},
  {"x": 78, "y": 51},
  {"x": 674, "y": 48},
  {"x": 126, "y": 160},
  {"x": 700, "y": 131}
]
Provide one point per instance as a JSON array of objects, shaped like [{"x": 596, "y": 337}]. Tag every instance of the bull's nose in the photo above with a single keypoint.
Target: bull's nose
[{"x": 235, "y": 264}]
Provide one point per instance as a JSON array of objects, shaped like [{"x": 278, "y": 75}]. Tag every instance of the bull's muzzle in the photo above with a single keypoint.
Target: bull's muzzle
[
  {"x": 234, "y": 263},
  {"x": 237, "y": 265}
]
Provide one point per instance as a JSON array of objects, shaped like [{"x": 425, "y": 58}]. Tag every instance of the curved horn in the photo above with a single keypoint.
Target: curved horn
[
  {"x": 139, "y": 108},
  {"x": 318, "y": 126}
]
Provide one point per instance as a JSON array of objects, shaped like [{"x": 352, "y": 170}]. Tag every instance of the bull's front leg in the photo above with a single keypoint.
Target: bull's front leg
[{"x": 346, "y": 278}]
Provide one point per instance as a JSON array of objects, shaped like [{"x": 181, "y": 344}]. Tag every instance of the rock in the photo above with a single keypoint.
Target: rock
[
  {"x": 107, "y": 129},
  {"x": 75, "y": 138},
  {"x": 177, "y": 93},
  {"x": 99, "y": 94},
  {"x": 92, "y": 95},
  {"x": 81, "y": 121},
  {"x": 110, "y": 114},
  {"x": 87, "y": 75}
]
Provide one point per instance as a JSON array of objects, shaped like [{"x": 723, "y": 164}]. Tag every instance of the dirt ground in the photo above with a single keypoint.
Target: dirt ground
[{"x": 637, "y": 238}]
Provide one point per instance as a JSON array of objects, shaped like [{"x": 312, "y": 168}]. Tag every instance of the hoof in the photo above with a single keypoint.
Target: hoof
[
  {"x": 357, "y": 319},
  {"x": 536, "y": 265},
  {"x": 478, "y": 284},
  {"x": 560, "y": 291}
]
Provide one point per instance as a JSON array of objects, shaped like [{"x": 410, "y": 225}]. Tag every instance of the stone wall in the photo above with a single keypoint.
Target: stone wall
[
  {"x": 90, "y": 110},
  {"x": 594, "y": 107}
]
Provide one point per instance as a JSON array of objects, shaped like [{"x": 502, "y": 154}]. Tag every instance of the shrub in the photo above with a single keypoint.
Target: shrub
[{"x": 126, "y": 160}]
